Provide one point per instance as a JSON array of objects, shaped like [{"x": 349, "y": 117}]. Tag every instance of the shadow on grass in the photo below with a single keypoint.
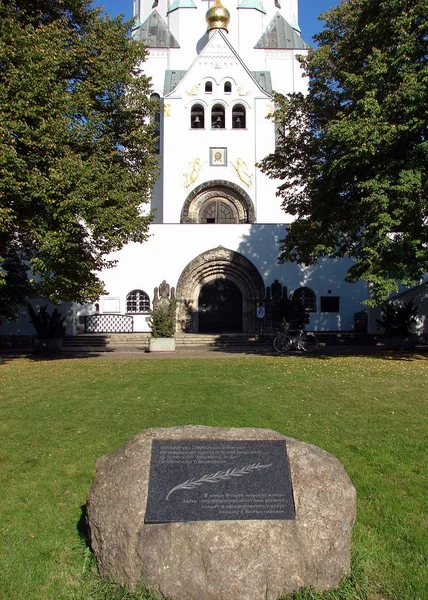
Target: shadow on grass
[
  {"x": 324, "y": 353},
  {"x": 223, "y": 350},
  {"x": 10, "y": 355},
  {"x": 90, "y": 346},
  {"x": 83, "y": 529}
]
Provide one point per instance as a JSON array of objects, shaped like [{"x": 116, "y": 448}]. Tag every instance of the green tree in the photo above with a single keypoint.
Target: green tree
[
  {"x": 353, "y": 153},
  {"x": 398, "y": 318},
  {"x": 77, "y": 146}
]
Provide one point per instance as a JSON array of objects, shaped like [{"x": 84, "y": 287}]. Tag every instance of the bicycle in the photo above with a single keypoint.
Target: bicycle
[{"x": 299, "y": 339}]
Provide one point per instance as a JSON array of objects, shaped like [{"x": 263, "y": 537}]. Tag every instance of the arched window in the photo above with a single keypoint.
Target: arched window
[
  {"x": 137, "y": 301},
  {"x": 218, "y": 210},
  {"x": 208, "y": 87},
  {"x": 218, "y": 120},
  {"x": 156, "y": 120},
  {"x": 238, "y": 117},
  {"x": 227, "y": 87},
  {"x": 214, "y": 202},
  {"x": 307, "y": 298},
  {"x": 197, "y": 117}
]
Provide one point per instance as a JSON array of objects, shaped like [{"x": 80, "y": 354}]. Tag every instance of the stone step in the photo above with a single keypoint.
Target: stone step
[
  {"x": 91, "y": 340},
  {"x": 196, "y": 339},
  {"x": 141, "y": 340}
]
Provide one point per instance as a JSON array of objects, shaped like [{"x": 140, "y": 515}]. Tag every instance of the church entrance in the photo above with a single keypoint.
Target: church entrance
[
  {"x": 220, "y": 307},
  {"x": 218, "y": 291}
]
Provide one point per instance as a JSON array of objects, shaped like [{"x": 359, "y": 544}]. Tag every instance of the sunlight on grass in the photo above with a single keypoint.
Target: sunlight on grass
[{"x": 58, "y": 416}]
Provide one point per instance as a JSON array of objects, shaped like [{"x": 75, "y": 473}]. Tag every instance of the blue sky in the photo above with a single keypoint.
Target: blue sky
[{"x": 308, "y": 13}]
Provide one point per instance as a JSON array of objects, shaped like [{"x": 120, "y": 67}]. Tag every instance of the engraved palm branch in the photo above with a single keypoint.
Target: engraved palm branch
[{"x": 191, "y": 483}]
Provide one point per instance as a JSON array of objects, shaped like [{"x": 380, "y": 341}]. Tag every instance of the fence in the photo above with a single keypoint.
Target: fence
[{"x": 109, "y": 324}]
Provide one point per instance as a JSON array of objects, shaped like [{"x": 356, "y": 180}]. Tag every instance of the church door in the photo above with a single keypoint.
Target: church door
[{"x": 220, "y": 307}]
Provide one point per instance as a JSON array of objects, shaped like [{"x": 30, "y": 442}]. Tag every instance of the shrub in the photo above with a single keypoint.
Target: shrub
[
  {"x": 397, "y": 318},
  {"x": 47, "y": 325},
  {"x": 162, "y": 320}
]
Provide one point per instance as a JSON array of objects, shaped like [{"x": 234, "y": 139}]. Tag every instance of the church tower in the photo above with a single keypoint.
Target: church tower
[{"x": 214, "y": 68}]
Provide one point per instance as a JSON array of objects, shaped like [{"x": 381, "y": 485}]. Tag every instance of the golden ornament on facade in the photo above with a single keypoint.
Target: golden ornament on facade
[
  {"x": 194, "y": 90},
  {"x": 243, "y": 91},
  {"x": 243, "y": 172},
  {"x": 192, "y": 173}
]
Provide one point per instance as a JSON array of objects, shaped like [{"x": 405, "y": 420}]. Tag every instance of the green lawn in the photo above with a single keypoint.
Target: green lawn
[{"x": 58, "y": 416}]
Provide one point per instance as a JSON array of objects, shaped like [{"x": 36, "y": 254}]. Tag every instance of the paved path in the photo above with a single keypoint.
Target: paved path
[{"x": 218, "y": 352}]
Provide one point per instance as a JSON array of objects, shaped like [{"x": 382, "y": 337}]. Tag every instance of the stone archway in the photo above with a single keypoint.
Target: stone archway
[
  {"x": 218, "y": 190},
  {"x": 218, "y": 263}
]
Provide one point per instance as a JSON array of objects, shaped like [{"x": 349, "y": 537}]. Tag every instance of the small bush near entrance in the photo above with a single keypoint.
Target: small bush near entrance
[
  {"x": 162, "y": 320},
  {"x": 58, "y": 416}
]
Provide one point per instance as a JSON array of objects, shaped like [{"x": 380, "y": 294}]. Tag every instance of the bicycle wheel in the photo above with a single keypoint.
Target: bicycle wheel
[
  {"x": 282, "y": 343},
  {"x": 309, "y": 342}
]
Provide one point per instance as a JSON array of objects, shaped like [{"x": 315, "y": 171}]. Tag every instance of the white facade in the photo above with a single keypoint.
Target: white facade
[
  {"x": 217, "y": 217},
  {"x": 218, "y": 221},
  {"x": 173, "y": 247}
]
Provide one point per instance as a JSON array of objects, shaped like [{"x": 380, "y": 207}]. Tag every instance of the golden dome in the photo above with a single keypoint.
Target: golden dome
[{"x": 217, "y": 16}]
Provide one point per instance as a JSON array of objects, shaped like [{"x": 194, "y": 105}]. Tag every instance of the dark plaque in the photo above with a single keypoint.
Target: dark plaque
[{"x": 219, "y": 480}]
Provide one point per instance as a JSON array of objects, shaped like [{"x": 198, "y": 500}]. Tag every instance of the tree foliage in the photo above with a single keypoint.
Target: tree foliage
[
  {"x": 76, "y": 148},
  {"x": 353, "y": 153}
]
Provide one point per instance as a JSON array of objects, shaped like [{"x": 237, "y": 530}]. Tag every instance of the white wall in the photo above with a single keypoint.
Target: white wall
[{"x": 171, "y": 247}]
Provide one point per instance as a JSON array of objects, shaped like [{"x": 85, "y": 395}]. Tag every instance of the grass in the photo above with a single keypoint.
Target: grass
[{"x": 58, "y": 416}]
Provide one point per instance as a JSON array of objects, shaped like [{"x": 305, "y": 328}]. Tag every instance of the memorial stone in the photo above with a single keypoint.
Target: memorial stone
[{"x": 151, "y": 523}]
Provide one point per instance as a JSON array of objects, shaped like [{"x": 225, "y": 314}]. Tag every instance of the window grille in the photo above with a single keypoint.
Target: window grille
[
  {"x": 219, "y": 211},
  {"x": 137, "y": 301},
  {"x": 307, "y": 298}
]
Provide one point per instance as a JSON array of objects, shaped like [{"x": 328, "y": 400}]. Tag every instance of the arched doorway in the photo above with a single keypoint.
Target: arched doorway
[
  {"x": 227, "y": 283},
  {"x": 220, "y": 307}
]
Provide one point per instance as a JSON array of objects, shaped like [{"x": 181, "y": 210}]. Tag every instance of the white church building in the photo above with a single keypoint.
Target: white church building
[{"x": 218, "y": 222}]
